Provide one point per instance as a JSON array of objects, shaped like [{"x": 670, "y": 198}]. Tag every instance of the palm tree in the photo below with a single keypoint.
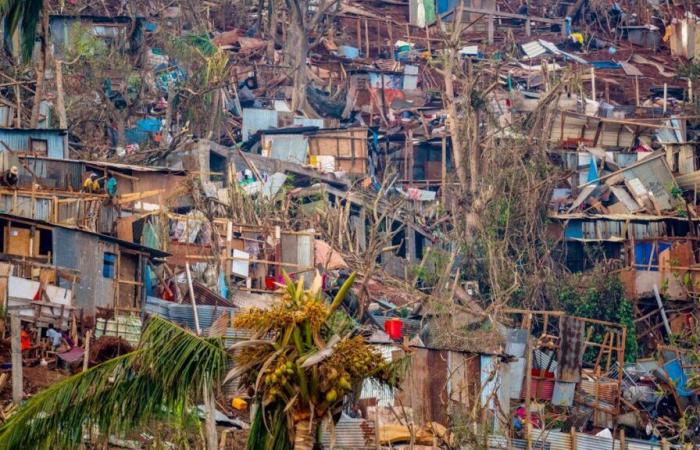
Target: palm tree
[
  {"x": 300, "y": 375},
  {"x": 172, "y": 369},
  {"x": 23, "y": 16}
]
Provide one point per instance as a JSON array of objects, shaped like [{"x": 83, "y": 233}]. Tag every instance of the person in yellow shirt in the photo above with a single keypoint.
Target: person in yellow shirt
[
  {"x": 91, "y": 183},
  {"x": 573, "y": 43},
  {"x": 577, "y": 37}
]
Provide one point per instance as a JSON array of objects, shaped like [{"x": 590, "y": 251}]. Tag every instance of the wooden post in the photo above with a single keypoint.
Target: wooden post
[
  {"x": 210, "y": 417},
  {"x": 60, "y": 100},
  {"x": 194, "y": 304},
  {"x": 443, "y": 170},
  {"x": 572, "y": 434},
  {"x": 690, "y": 91},
  {"x": 622, "y": 437},
  {"x": 491, "y": 30},
  {"x": 390, "y": 32},
  {"x": 593, "y": 92},
  {"x": 359, "y": 35},
  {"x": 366, "y": 38},
  {"x": 660, "y": 304},
  {"x": 528, "y": 383},
  {"x": 16, "y": 345},
  {"x": 636, "y": 89},
  {"x": 528, "y": 27},
  {"x": 86, "y": 356},
  {"x": 665, "y": 97}
]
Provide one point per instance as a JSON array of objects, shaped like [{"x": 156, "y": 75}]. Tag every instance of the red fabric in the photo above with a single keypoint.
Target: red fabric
[{"x": 25, "y": 340}]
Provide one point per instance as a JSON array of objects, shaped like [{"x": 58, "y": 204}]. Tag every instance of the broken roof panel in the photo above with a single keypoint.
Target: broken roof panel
[{"x": 533, "y": 49}]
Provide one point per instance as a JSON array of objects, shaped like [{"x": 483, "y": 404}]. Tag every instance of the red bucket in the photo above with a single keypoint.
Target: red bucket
[{"x": 394, "y": 328}]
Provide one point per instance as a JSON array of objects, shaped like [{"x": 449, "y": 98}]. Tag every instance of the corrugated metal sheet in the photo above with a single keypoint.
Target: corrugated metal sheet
[
  {"x": 5, "y": 116},
  {"x": 306, "y": 122},
  {"x": 534, "y": 49},
  {"x": 255, "y": 119},
  {"x": 38, "y": 208},
  {"x": 183, "y": 315},
  {"x": 383, "y": 394},
  {"x": 351, "y": 434},
  {"x": 18, "y": 140},
  {"x": 656, "y": 177},
  {"x": 287, "y": 147},
  {"x": 63, "y": 174},
  {"x": 556, "y": 440}
]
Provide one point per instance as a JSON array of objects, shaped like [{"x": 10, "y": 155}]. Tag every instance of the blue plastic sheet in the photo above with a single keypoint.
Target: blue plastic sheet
[{"x": 677, "y": 375}]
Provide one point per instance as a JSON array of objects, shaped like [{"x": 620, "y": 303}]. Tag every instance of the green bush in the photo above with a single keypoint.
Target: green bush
[{"x": 600, "y": 295}]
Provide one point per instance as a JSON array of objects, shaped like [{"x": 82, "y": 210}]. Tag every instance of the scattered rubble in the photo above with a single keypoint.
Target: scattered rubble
[{"x": 463, "y": 159}]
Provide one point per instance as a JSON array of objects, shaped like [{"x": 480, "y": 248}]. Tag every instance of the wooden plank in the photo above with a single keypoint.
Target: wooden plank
[{"x": 16, "y": 344}]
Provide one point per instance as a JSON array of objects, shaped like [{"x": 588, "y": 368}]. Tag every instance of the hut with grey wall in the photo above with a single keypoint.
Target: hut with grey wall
[
  {"x": 110, "y": 269},
  {"x": 52, "y": 143}
]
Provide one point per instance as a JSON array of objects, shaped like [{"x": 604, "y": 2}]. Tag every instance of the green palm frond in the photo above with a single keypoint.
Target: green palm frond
[
  {"x": 22, "y": 15},
  {"x": 163, "y": 376},
  {"x": 30, "y": 19}
]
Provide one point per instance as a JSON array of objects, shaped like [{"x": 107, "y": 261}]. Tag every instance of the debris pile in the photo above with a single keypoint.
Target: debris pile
[{"x": 511, "y": 189}]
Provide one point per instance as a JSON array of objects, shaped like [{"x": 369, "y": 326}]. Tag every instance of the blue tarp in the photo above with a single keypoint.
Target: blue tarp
[
  {"x": 606, "y": 65},
  {"x": 136, "y": 136},
  {"x": 593, "y": 170},
  {"x": 573, "y": 230},
  {"x": 147, "y": 282},
  {"x": 677, "y": 375},
  {"x": 643, "y": 254},
  {"x": 150, "y": 125}
]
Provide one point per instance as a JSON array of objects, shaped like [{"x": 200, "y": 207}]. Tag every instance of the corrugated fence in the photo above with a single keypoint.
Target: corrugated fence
[{"x": 556, "y": 440}]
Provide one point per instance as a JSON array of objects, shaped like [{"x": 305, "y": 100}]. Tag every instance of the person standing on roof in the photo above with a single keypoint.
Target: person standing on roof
[
  {"x": 11, "y": 177},
  {"x": 111, "y": 187}
]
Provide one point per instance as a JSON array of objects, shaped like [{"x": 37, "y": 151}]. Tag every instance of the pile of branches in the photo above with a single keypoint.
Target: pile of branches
[{"x": 108, "y": 347}]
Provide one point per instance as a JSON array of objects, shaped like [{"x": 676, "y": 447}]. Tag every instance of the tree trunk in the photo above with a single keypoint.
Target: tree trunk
[
  {"x": 165, "y": 131},
  {"x": 121, "y": 128},
  {"x": 458, "y": 149},
  {"x": 296, "y": 53},
  {"x": 214, "y": 115},
  {"x": 60, "y": 99},
  {"x": 474, "y": 152},
  {"x": 210, "y": 419},
  {"x": 304, "y": 435},
  {"x": 41, "y": 67}
]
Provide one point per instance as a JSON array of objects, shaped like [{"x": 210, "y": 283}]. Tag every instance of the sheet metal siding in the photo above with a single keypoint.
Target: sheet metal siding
[
  {"x": 351, "y": 434},
  {"x": 58, "y": 30},
  {"x": 18, "y": 140},
  {"x": 556, "y": 440},
  {"x": 55, "y": 173},
  {"x": 5, "y": 116},
  {"x": 85, "y": 253},
  {"x": 182, "y": 314},
  {"x": 655, "y": 177},
  {"x": 289, "y": 147},
  {"x": 41, "y": 209},
  {"x": 370, "y": 389},
  {"x": 257, "y": 119}
]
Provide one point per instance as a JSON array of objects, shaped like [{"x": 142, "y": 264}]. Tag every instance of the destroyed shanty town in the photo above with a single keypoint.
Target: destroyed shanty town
[{"x": 350, "y": 224}]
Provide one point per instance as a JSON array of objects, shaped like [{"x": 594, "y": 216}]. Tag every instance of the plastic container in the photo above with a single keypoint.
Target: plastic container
[{"x": 394, "y": 328}]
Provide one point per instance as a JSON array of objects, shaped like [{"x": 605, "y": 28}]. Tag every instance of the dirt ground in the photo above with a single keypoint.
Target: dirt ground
[{"x": 35, "y": 379}]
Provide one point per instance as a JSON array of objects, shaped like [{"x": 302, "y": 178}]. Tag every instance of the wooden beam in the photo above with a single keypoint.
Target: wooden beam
[
  {"x": 504, "y": 15},
  {"x": 16, "y": 345}
]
